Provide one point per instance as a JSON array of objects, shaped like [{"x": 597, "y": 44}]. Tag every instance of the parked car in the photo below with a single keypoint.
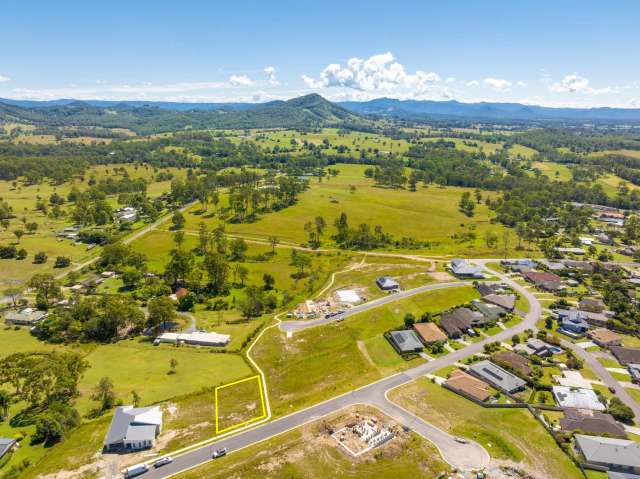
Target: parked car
[
  {"x": 163, "y": 461},
  {"x": 219, "y": 453}
]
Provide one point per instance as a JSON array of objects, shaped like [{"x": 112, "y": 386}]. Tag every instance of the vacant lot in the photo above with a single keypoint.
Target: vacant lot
[
  {"x": 509, "y": 435},
  {"x": 239, "y": 403}
]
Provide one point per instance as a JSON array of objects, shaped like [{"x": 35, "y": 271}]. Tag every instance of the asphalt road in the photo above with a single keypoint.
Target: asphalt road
[
  {"x": 296, "y": 325},
  {"x": 464, "y": 456}
]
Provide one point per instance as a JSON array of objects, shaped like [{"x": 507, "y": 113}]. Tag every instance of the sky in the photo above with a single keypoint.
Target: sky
[{"x": 554, "y": 53}]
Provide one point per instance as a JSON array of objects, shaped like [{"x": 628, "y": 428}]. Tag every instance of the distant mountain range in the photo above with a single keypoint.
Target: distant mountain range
[{"x": 307, "y": 111}]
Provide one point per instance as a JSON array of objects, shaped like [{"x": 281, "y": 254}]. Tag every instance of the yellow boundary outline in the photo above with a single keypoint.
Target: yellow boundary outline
[{"x": 244, "y": 423}]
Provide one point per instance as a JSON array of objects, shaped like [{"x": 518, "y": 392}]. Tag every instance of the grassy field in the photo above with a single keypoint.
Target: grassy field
[
  {"x": 507, "y": 434},
  {"x": 429, "y": 214},
  {"x": 555, "y": 171},
  {"x": 239, "y": 403},
  {"x": 308, "y": 452},
  {"x": 320, "y": 363}
]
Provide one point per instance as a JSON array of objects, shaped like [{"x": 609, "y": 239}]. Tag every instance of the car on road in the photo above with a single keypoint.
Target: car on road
[
  {"x": 461, "y": 440},
  {"x": 163, "y": 461},
  {"x": 612, "y": 389},
  {"x": 219, "y": 453}
]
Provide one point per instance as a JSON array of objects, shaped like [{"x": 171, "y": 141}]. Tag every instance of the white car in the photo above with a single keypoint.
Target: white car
[
  {"x": 163, "y": 461},
  {"x": 219, "y": 453}
]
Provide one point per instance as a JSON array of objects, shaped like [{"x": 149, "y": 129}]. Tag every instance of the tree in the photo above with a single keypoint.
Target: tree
[
  {"x": 131, "y": 277},
  {"x": 409, "y": 320},
  {"x": 62, "y": 262},
  {"x": 173, "y": 364},
  {"x": 178, "y": 238},
  {"x": 161, "y": 312},
  {"x": 239, "y": 249},
  {"x": 491, "y": 239},
  {"x": 104, "y": 394},
  {"x": 620, "y": 411},
  {"x": 40, "y": 258},
  {"x": 268, "y": 281},
  {"x": 466, "y": 204},
  {"x": 301, "y": 261},
  {"x": 135, "y": 398},
  {"x": 13, "y": 293},
  {"x": 178, "y": 220},
  {"x": 242, "y": 272},
  {"x": 273, "y": 241},
  {"x": 5, "y": 402},
  {"x": 45, "y": 286},
  {"x": 515, "y": 339},
  {"x": 217, "y": 268},
  {"x": 32, "y": 227},
  {"x": 18, "y": 234}
]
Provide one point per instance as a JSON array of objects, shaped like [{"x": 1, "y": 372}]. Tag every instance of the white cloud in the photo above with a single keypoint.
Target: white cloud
[
  {"x": 497, "y": 84},
  {"x": 450, "y": 80},
  {"x": 521, "y": 84},
  {"x": 575, "y": 83},
  {"x": 271, "y": 76},
  {"x": 377, "y": 75},
  {"x": 473, "y": 83},
  {"x": 240, "y": 80},
  {"x": 4, "y": 78}
]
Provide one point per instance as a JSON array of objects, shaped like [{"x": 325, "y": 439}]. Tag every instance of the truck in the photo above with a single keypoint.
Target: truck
[{"x": 136, "y": 470}]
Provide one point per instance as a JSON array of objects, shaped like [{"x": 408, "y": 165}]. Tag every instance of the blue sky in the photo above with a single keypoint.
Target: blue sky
[{"x": 560, "y": 53}]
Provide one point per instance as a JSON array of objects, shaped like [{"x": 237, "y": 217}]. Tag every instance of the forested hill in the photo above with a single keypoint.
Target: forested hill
[
  {"x": 306, "y": 111},
  {"x": 503, "y": 112}
]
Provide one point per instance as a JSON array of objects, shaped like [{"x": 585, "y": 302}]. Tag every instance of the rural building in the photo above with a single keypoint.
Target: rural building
[
  {"x": 578, "y": 398},
  {"x": 626, "y": 356},
  {"x": 197, "y": 338},
  {"x": 513, "y": 362},
  {"x": 505, "y": 301},
  {"x": 634, "y": 372},
  {"x": 7, "y": 445},
  {"x": 386, "y": 283},
  {"x": 605, "y": 337},
  {"x": 25, "y": 317},
  {"x": 591, "y": 422},
  {"x": 618, "y": 454},
  {"x": 497, "y": 377},
  {"x": 571, "y": 250},
  {"x": 429, "y": 332},
  {"x": 489, "y": 311},
  {"x": 406, "y": 341},
  {"x": 128, "y": 214},
  {"x": 462, "y": 269},
  {"x": 460, "y": 381},
  {"x": 133, "y": 428}
]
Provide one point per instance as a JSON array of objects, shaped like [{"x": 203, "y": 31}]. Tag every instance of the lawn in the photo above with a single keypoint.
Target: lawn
[
  {"x": 323, "y": 362},
  {"x": 308, "y": 452},
  {"x": 429, "y": 214},
  {"x": 239, "y": 403},
  {"x": 507, "y": 434}
]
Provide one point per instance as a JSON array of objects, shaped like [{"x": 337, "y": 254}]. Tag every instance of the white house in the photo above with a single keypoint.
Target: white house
[{"x": 133, "y": 429}]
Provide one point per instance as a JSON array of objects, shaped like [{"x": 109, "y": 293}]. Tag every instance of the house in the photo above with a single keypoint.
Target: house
[
  {"x": 25, "y": 317},
  {"x": 592, "y": 305},
  {"x": 133, "y": 428},
  {"x": 584, "y": 266},
  {"x": 497, "y": 377},
  {"x": 537, "y": 347},
  {"x": 405, "y": 341},
  {"x": 634, "y": 372},
  {"x": 7, "y": 445},
  {"x": 518, "y": 262},
  {"x": 577, "y": 398},
  {"x": 572, "y": 321},
  {"x": 386, "y": 283},
  {"x": 462, "y": 269},
  {"x": 591, "y": 422},
  {"x": 621, "y": 475},
  {"x": 604, "y": 239},
  {"x": 489, "y": 311},
  {"x": 586, "y": 241},
  {"x": 181, "y": 293},
  {"x": 460, "y": 320},
  {"x": 611, "y": 453},
  {"x": 196, "y": 338},
  {"x": 513, "y": 362},
  {"x": 429, "y": 332},
  {"x": 505, "y": 301},
  {"x": 539, "y": 278},
  {"x": 571, "y": 250},
  {"x": 605, "y": 337},
  {"x": 489, "y": 288},
  {"x": 108, "y": 274},
  {"x": 128, "y": 214},
  {"x": 465, "y": 383},
  {"x": 625, "y": 355},
  {"x": 551, "y": 265}
]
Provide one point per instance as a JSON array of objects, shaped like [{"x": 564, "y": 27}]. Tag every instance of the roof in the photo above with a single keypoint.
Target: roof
[
  {"x": 580, "y": 398},
  {"x": 181, "y": 292},
  {"x": 460, "y": 319},
  {"x": 468, "y": 384},
  {"x": 621, "y": 475},
  {"x": 497, "y": 376},
  {"x": 485, "y": 288},
  {"x": 592, "y": 304},
  {"x": 26, "y": 315},
  {"x": 506, "y": 301},
  {"x": 386, "y": 282},
  {"x": 5, "y": 445},
  {"x": 626, "y": 355},
  {"x": 593, "y": 422},
  {"x": 541, "y": 276},
  {"x": 604, "y": 336},
  {"x": 608, "y": 450},
  {"x": 460, "y": 267},
  {"x": 141, "y": 433},
  {"x": 127, "y": 416},
  {"x": 518, "y": 363},
  {"x": 429, "y": 332},
  {"x": 406, "y": 340},
  {"x": 196, "y": 337},
  {"x": 490, "y": 311}
]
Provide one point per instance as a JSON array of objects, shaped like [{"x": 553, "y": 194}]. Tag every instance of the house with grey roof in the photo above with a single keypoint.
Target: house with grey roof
[
  {"x": 386, "y": 283},
  {"x": 485, "y": 288},
  {"x": 497, "y": 376},
  {"x": 133, "y": 428},
  {"x": 406, "y": 341},
  {"x": 463, "y": 269},
  {"x": 489, "y": 311},
  {"x": 621, "y": 475},
  {"x": 505, "y": 301},
  {"x": 634, "y": 372},
  {"x": 25, "y": 317},
  {"x": 626, "y": 355},
  {"x": 7, "y": 445},
  {"x": 620, "y": 455},
  {"x": 591, "y": 422}
]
